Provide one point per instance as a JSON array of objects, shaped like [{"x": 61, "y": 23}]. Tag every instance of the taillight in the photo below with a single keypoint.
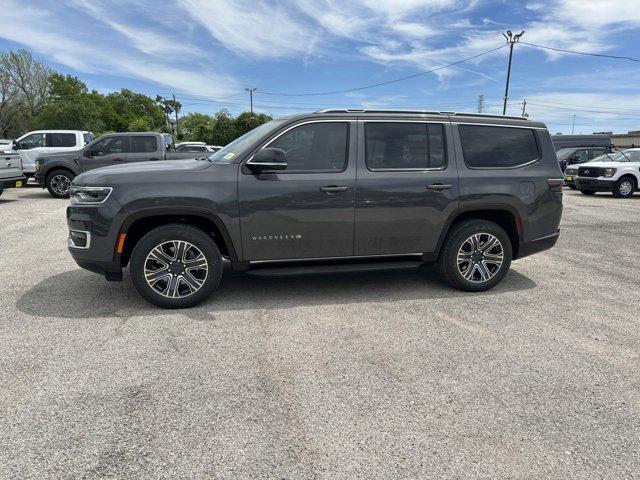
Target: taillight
[{"x": 555, "y": 184}]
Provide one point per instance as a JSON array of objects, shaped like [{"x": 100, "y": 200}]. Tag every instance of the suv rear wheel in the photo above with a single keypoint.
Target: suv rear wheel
[
  {"x": 58, "y": 183},
  {"x": 476, "y": 255},
  {"x": 624, "y": 187},
  {"x": 176, "y": 266}
]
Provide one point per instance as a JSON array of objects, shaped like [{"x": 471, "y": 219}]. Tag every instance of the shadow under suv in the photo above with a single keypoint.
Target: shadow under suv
[{"x": 334, "y": 190}]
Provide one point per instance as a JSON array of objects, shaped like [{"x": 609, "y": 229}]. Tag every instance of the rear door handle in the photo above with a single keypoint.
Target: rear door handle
[
  {"x": 438, "y": 187},
  {"x": 333, "y": 189}
]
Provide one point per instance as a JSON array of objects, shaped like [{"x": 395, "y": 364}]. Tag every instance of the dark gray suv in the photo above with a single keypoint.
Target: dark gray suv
[{"x": 334, "y": 190}]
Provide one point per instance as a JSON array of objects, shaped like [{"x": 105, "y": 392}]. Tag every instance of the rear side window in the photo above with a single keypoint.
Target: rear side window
[
  {"x": 315, "y": 147},
  {"x": 143, "y": 144},
  {"x": 401, "y": 146},
  {"x": 61, "y": 139},
  {"x": 498, "y": 147}
]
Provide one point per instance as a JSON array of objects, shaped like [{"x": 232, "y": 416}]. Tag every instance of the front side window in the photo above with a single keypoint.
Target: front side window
[
  {"x": 401, "y": 146},
  {"x": 61, "y": 140},
  {"x": 315, "y": 147},
  {"x": 143, "y": 144},
  {"x": 108, "y": 146},
  {"x": 498, "y": 147},
  {"x": 34, "y": 140}
]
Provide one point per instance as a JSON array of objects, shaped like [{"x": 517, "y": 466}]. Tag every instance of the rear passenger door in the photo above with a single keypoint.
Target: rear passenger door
[
  {"x": 407, "y": 186},
  {"x": 143, "y": 148}
]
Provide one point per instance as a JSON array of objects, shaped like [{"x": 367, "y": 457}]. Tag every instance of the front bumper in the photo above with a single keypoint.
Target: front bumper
[
  {"x": 595, "y": 184},
  {"x": 538, "y": 245},
  {"x": 102, "y": 226},
  {"x": 11, "y": 182}
]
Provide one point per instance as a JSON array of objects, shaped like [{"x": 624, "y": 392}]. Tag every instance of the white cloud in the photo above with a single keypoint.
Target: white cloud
[{"x": 98, "y": 56}]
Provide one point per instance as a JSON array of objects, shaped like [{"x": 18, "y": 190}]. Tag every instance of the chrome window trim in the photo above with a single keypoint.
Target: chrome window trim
[
  {"x": 70, "y": 243},
  {"x": 434, "y": 169},
  {"x": 284, "y": 172},
  {"x": 91, "y": 189}
]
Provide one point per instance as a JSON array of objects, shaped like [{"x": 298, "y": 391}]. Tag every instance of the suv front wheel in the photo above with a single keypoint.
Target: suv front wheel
[
  {"x": 476, "y": 255},
  {"x": 176, "y": 266},
  {"x": 58, "y": 183}
]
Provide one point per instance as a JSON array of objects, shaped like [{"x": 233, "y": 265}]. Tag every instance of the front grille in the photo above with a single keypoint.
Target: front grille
[{"x": 589, "y": 172}]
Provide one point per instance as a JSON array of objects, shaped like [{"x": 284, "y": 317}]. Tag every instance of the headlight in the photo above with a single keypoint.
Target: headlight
[
  {"x": 609, "y": 172},
  {"x": 89, "y": 195}
]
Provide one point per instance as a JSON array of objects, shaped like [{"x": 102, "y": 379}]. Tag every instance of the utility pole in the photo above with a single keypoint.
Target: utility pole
[
  {"x": 480, "y": 103},
  {"x": 175, "y": 109},
  {"x": 251, "y": 90},
  {"x": 573, "y": 125},
  {"x": 524, "y": 107},
  {"x": 511, "y": 40}
]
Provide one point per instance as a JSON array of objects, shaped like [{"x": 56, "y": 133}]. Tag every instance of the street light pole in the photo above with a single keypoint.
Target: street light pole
[
  {"x": 573, "y": 124},
  {"x": 251, "y": 90},
  {"x": 511, "y": 40}
]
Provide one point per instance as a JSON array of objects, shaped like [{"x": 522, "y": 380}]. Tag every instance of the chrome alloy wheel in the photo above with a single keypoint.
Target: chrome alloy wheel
[
  {"x": 480, "y": 257},
  {"x": 176, "y": 269},
  {"x": 61, "y": 184},
  {"x": 625, "y": 188}
]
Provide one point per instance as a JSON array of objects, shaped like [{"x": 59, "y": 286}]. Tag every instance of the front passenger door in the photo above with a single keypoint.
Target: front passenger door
[{"x": 107, "y": 151}]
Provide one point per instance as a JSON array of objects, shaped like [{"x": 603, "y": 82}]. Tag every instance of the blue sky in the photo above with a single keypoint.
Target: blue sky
[{"x": 208, "y": 50}]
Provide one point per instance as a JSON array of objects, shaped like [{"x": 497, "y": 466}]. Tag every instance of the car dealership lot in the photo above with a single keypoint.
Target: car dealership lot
[{"x": 376, "y": 375}]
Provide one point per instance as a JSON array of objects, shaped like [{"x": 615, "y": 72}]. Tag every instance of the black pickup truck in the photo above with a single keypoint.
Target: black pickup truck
[{"x": 56, "y": 171}]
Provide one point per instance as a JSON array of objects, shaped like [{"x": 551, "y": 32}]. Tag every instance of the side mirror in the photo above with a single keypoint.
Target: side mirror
[
  {"x": 268, "y": 159},
  {"x": 86, "y": 152},
  {"x": 15, "y": 146}
]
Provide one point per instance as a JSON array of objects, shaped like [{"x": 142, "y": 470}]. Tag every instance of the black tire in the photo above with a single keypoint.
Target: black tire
[
  {"x": 457, "y": 237},
  {"x": 1, "y": 190},
  {"x": 163, "y": 237},
  {"x": 624, "y": 187},
  {"x": 56, "y": 182},
  {"x": 588, "y": 192},
  {"x": 572, "y": 187}
]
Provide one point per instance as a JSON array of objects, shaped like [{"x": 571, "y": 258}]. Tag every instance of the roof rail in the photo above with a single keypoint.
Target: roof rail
[{"x": 423, "y": 112}]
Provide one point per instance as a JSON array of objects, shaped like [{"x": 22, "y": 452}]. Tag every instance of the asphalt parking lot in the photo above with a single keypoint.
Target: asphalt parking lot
[{"x": 377, "y": 375}]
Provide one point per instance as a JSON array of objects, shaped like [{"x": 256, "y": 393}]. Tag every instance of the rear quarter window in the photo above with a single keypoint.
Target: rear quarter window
[
  {"x": 498, "y": 147},
  {"x": 61, "y": 139}
]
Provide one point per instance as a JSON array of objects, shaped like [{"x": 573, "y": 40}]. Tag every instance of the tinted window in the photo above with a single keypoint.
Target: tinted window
[
  {"x": 143, "y": 144},
  {"x": 498, "y": 147},
  {"x": 404, "y": 145},
  {"x": 88, "y": 137},
  {"x": 191, "y": 148},
  {"x": 61, "y": 139},
  {"x": 32, "y": 141},
  {"x": 315, "y": 147},
  {"x": 108, "y": 146}
]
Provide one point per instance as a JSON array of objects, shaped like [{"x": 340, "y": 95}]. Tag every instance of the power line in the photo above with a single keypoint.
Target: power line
[
  {"x": 581, "y": 53},
  {"x": 382, "y": 83}
]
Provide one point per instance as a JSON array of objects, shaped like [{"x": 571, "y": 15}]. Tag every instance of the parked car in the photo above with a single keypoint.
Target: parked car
[
  {"x": 576, "y": 155},
  {"x": 330, "y": 191},
  {"x": 11, "y": 171},
  {"x": 197, "y": 147},
  {"x": 571, "y": 171},
  {"x": 573, "y": 141},
  {"x": 6, "y": 145},
  {"x": 56, "y": 171},
  {"x": 41, "y": 142},
  {"x": 620, "y": 175}
]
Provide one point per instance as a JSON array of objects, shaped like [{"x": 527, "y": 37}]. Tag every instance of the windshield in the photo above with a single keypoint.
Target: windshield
[
  {"x": 226, "y": 153},
  {"x": 621, "y": 156},
  {"x": 565, "y": 153}
]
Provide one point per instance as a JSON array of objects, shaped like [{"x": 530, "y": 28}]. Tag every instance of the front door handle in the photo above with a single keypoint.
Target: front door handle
[
  {"x": 333, "y": 189},
  {"x": 438, "y": 186},
  {"x": 118, "y": 159}
]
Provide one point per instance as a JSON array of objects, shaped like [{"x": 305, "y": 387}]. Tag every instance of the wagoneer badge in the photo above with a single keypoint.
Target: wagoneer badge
[{"x": 290, "y": 236}]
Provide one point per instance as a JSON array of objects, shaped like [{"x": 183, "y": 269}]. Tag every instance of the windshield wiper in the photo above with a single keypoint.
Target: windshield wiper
[{"x": 625, "y": 155}]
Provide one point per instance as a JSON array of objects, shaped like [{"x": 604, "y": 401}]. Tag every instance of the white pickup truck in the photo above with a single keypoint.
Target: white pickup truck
[
  {"x": 620, "y": 175},
  {"x": 10, "y": 171},
  {"x": 41, "y": 142}
]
